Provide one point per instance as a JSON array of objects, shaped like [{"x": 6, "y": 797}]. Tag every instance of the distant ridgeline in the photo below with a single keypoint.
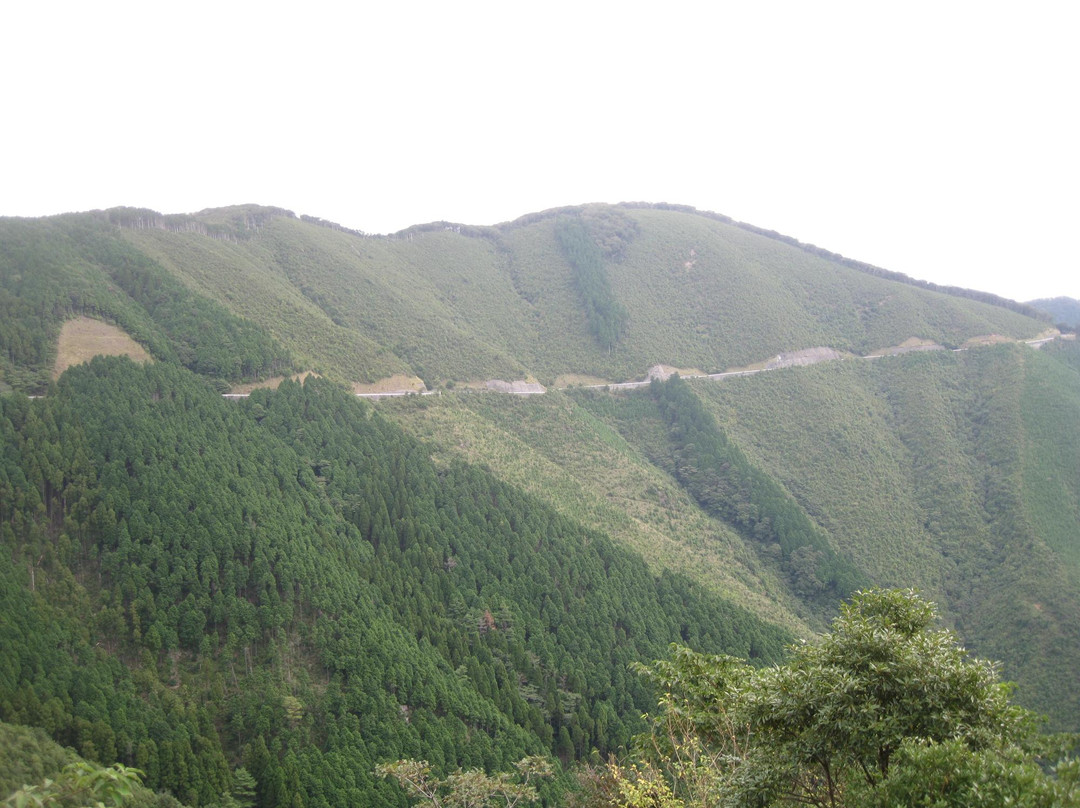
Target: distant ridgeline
[
  {"x": 231, "y": 223},
  {"x": 1064, "y": 310},
  {"x": 1027, "y": 309},
  {"x": 242, "y": 293},
  {"x": 289, "y": 583}
]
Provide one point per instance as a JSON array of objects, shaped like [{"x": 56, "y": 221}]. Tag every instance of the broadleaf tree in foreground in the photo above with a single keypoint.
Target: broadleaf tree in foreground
[
  {"x": 80, "y": 784},
  {"x": 886, "y": 709}
]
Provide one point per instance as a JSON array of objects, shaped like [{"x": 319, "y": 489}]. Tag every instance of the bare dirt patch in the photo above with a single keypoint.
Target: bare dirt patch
[
  {"x": 987, "y": 339},
  {"x": 82, "y": 339},
  {"x": 907, "y": 346},
  {"x": 807, "y": 356},
  {"x": 578, "y": 380},
  {"x": 520, "y": 386},
  {"x": 665, "y": 372},
  {"x": 394, "y": 384},
  {"x": 753, "y": 368}
]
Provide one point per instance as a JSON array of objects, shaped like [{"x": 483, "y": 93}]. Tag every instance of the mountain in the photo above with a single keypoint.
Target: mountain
[
  {"x": 290, "y": 582},
  {"x": 452, "y": 303},
  {"x": 457, "y": 304},
  {"x": 303, "y": 584},
  {"x": 1064, "y": 310}
]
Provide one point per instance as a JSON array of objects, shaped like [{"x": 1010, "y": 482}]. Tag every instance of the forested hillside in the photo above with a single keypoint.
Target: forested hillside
[
  {"x": 1064, "y": 310},
  {"x": 54, "y": 269},
  {"x": 953, "y": 472},
  {"x": 298, "y": 585},
  {"x": 288, "y": 583},
  {"x": 454, "y": 304}
]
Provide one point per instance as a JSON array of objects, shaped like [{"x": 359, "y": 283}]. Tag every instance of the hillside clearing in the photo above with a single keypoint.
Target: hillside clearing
[
  {"x": 84, "y": 338},
  {"x": 391, "y": 384}
]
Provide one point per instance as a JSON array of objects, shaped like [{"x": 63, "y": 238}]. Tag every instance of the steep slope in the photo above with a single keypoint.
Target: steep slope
[
  {"x": 288, "y": 582},
  {"x": 453, "y": 303},
  {"x": 954, "y": 472},
  {"x": 723, "y": 297},
  {"x": 450, "y": 303},
  {"x": 56, "y": 269},
  {"x": 560, "y": 451},
  {"x": 304, "y": 585},
  {"x": 244, "y": 276}
]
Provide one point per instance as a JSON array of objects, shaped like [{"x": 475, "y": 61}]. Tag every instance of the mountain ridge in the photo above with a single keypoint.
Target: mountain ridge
[
  {"x": 491, "y": 324},
  {"x": 179, "y": 222},
  {"x": 303, "y": 585}
]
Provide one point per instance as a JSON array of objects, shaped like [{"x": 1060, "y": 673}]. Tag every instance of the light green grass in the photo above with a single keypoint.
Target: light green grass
[
  {"x": 554, "y": 448},
  {"x": 501, "y": 302}
]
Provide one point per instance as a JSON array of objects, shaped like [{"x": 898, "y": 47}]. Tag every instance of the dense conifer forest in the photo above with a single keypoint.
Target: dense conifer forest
[{"x": 288, "y": 583}]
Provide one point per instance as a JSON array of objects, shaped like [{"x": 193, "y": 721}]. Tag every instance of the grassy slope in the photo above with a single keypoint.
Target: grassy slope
[
  {"x": 744, "y": 298},
  {"x": 556, "y": 449},
  {"x": 824, "y": 433},
  {"x": 438, "y": 301},
  {"x": 245, "y": 277},
  {"x": 500, "y": 303},
  {"x": 955, "y": 473},
  {"x": 1051, "y": 484},
  {"x": 952, "y": 472},
  {"x": 556, "y": 339}
]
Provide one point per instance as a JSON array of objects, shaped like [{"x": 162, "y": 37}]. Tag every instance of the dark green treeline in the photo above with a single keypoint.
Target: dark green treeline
[
  {"x": 685, "y": 441},
  {"x": 605, "y": 317}
]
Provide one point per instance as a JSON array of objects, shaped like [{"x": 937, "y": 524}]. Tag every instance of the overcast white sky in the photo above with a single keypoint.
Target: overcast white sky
[{"x": 937, "y": 139}]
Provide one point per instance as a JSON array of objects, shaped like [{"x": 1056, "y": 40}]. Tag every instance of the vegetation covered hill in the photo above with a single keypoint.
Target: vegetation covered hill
[
  {"x": 1064, "y": 310},
  {"x": 452, "y": 303},
  {"x": 955, "y": 472},
  {"x": 300, "y": 585},
  {"x": 53, "y": 270},
  {"x": 289, "y": 583}
]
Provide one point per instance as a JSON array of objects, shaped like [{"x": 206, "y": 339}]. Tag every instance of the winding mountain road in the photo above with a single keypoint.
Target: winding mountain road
[{"x": 807, "y": 356}]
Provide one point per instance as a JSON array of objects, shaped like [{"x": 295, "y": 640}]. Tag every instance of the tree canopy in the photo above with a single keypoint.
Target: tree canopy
[
  {"x": 290, "y": 584},
  {"x": 886, "y": 709}
]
